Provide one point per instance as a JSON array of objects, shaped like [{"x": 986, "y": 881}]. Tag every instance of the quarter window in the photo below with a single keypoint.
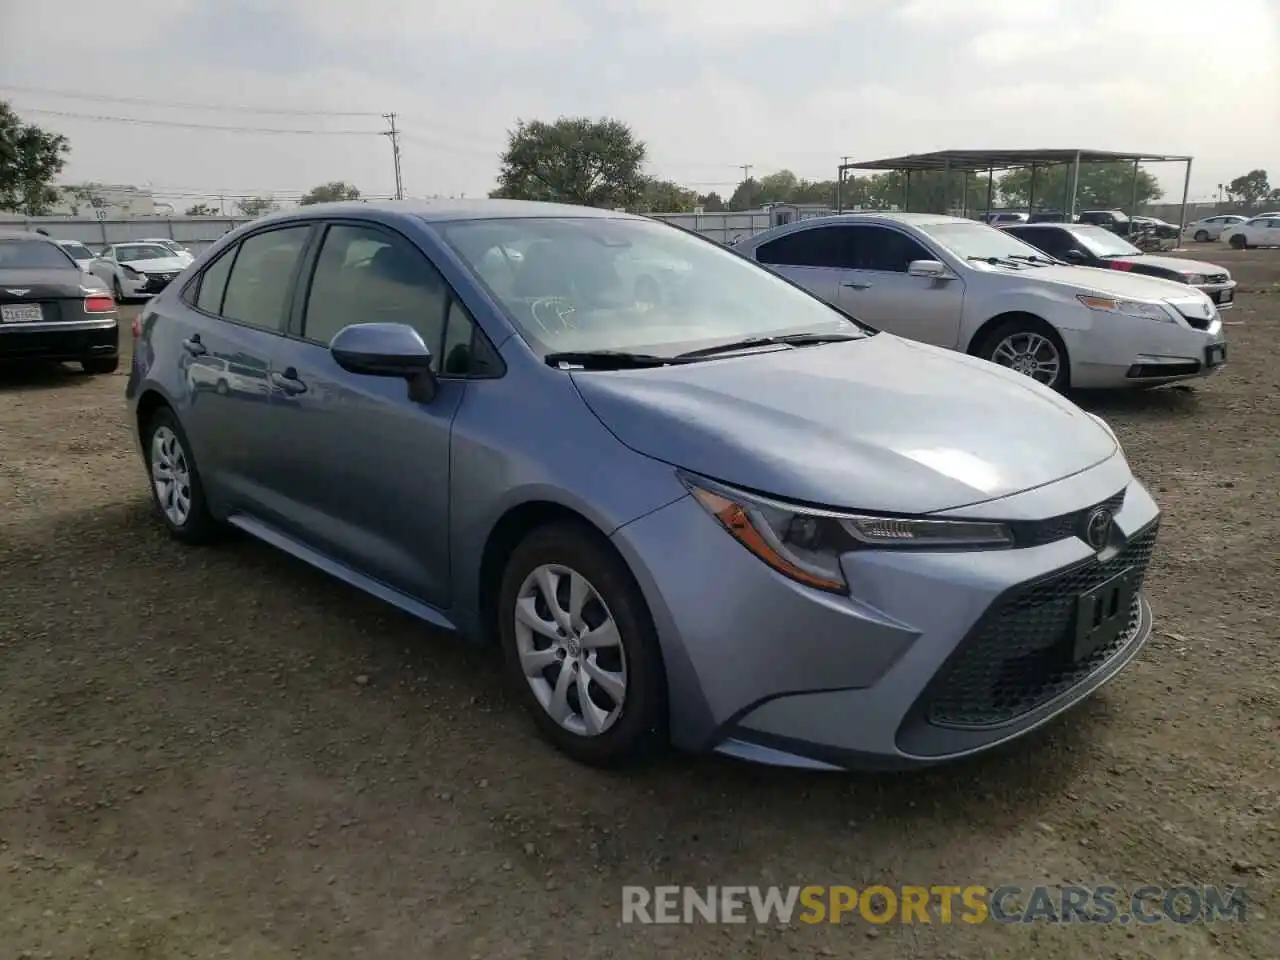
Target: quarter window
[
  {"x": 257, "y": 292},
  {"x": 364, "y": 275},
  {"x": 213, "y": 283}
]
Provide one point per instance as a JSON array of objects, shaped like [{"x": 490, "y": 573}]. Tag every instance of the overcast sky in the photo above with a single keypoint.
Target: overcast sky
[{"x": 709, "y": 85}]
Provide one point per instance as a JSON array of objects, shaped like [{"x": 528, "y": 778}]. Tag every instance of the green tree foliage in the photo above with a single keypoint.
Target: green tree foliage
[
  {"x": 711, "y": 202},
  {"x": 1251, "y": 188},
  {"x": 257, "y": 206},
  {"x": 595, "y": 163},
  {"x": 201, "y": 210},
  {"x": 665, "y": 196},
  {"x": 330, "y": 192},
  {"x": 1103, "y": 186},
  {"x": 30, "y": 159}
]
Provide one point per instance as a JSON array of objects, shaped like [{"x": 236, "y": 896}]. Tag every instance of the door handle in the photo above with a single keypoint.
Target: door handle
[
  {"x": 194, "y": 346},
  {"x": 288, "y": 381},
  {"x": 856, "y": 285}
]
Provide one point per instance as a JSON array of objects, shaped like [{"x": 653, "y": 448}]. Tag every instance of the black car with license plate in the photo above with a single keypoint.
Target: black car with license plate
[
  {"x": 50, "y": 310},
  {"x": 1089, "y": 245}
]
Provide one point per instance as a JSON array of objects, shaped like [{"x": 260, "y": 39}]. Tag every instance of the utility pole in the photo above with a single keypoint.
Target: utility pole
[
  {"x": 394, "y": 136},
  {"x": 840, "y": 185},
  {"x": 746, "y": 181}
]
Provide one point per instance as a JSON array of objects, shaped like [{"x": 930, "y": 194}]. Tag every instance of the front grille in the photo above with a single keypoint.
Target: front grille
[
  {"x": 1036, "y": 533},
  {"x": 1018, "y": 657},
  {"x": 158, "y": 281}
]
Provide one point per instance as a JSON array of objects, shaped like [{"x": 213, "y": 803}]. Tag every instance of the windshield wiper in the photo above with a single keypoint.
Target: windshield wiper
[
  {"x": 1034, "y": 258},
  {"x": 607, "y": 359},
  {"x": 788, "y": 339},
  {"x": 998, "y": 261}
]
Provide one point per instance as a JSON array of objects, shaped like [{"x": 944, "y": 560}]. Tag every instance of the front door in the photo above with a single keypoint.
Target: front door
[
  {"x": 369, "y": 484},
  {"x": 880, "y": 291}
]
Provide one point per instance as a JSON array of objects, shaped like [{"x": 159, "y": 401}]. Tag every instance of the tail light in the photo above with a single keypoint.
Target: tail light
[{"x": 99, "y": 303}]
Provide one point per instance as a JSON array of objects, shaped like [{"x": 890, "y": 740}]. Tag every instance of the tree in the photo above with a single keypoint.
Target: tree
[
  {"x": 83, "y": 195},
  {"x": 711, "y": 202},
  {"x": 1103, "y": 186},
  {"x": 1250, "y": 189},
  {"x": 30, "y": 158},
  {"x": 201, "y": 210},
  {"x": 664, "y": 196},
  {"x": 574, "y": 160},
  {"x": 257, "y": 206},
  {"x": 329, "y": 192}
]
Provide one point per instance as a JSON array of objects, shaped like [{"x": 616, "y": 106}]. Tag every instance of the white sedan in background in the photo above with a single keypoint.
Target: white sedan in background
[
  {"x": 78, "y": 252},
  {"x": 970, "y": 287},
  {"x": 1261, "y": 231},
  {"x": 178, "y": 249},
  {"x": 137, "y": 269},
  {"x": 1210, "y": 228}
]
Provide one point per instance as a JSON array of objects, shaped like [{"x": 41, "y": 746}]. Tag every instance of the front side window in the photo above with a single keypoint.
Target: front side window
[
  {"x": 257, "y": 291},
  {"x": 590, "y": 284},
  {"x": 885, "y": 250},
  {"x": 365, "y": 275}
]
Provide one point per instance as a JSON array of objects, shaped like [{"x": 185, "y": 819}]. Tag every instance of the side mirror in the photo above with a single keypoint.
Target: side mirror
[
  {"x": 1074, "y": 256},
  {"x": 932, "y": 269},
  {"x": 386, "y": 350}
]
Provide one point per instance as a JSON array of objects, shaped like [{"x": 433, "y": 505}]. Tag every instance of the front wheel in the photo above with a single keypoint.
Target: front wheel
[
  {"x": 1030, "y": 347},
  {"x": 1202, "y": 236},
  {"x": 581, "y": 649},
  {"x": 1238, "y": 242}
]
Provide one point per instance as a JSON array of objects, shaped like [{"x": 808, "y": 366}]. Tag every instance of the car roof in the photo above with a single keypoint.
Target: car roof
[
  {"x": 25, "y": 235},
  {"x": 447, "y": 210}
]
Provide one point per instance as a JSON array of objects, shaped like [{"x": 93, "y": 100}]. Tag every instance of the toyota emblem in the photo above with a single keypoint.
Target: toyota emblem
[{"x": 1097, "y": 529}]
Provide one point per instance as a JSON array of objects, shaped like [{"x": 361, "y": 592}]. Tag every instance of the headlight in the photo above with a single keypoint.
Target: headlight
[
  {"x": 805, "y": 543},
  {"x": 1127, "y": 308},
  {"x": 1194, "y": 279},
  {"x": 129, "y": 272}
]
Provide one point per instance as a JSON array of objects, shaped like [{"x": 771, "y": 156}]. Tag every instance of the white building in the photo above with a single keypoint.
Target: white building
[{"x": 114, "y": 201}]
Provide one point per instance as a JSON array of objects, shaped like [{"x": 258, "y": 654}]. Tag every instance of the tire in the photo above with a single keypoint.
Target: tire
[
  {"x": 626, "y": 732},
  {"x": 222, "y": 388},
  {"x": 196, "y": 525},
  {"x": 993, "y": 348},
  {"x": 1202, "y": 236},
  {"x": 116, "y": 290},
  {"x": 97, "y": 365},
  {"x": 1238, "y": 243}
]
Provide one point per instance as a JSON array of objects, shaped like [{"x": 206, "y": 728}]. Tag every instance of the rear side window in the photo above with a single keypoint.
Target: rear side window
[
  {"x": 815, "y": 247},
  {"x": 258, "y": 289},
  {"x": 213, "y": 283}
]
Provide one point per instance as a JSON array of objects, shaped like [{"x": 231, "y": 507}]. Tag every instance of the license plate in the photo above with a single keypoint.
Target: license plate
[
  {"x": 1226, "y": 296},
  {"x": 21, "y": 313},
  {"x": 1102, "y": 614},
  {"x": 1215, "y": 355}
]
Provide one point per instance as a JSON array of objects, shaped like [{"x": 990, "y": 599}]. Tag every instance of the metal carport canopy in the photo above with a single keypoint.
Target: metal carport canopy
[{"x": 992, "y": 160}]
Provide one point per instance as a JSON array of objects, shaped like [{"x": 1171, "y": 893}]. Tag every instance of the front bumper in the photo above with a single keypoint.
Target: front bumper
[
  {"x": 57, "y": 341},
  {"x": 915, "y": 668},
  {"x": 1135, "y": 352}
]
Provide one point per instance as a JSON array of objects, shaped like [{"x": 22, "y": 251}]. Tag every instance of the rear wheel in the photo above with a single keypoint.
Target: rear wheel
[
  {"x": 581, "y": 649},
  {"x": 1238, "y": 242},
  {"x": 175, "y": 480},
  {"x": 1029, "y": 346},
  {"x": 100, "y": 364},
  {"x": 1202, "y": 236}
]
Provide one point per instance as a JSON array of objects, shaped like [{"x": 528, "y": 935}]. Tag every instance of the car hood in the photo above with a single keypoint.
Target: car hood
[
  {"x": 1112, "y": 283},
  {"x": 1173, "y": 264},
  {"x": 880, "y": 424},
  {"x": 159, "y": 265}
]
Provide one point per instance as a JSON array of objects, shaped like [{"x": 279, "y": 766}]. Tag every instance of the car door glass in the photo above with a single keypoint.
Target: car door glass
[
  {"x": 884, "y": 250},
  {"x": 812, "y": 247},
  {"x": 365, "y": 275},
  {"x": 1056, "y": 243},
  {"x": 213, "y": 283},
  {"x": 257, "y": 291}
]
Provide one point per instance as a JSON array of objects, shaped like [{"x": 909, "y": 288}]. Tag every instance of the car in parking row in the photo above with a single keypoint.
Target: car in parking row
[
  {"x": 692, "y": 502},
  {"x": 137, "y": 269},
  {"x": 1261, "y": 231}
]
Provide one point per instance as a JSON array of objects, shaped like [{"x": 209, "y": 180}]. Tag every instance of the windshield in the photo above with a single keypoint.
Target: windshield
[
  {"x": 33, "y": 255},
  {"x": 977, "y": 240},
  {"x": 78, "y": 250},
  {"x": 1101, "y": 242},
  {"x": 588, "y": 284},
  {"x": 142, "y": 251}
]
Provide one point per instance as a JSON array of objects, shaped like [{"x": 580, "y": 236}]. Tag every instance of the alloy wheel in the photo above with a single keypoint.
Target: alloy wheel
[
  {"x": 171, "y": 475},
  {"x": 570, "y": 650},
  {"x": 1029, "y": 353}
]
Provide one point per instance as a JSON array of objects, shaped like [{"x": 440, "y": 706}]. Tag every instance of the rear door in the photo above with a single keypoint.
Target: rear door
[
  {"x": 229, "y": 323},
  {"x": 880, "y": 291},
  {"x": 811, "y": 256}
]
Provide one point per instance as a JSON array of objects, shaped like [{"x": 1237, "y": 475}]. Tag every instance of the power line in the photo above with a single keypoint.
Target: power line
[
  {"x": 226, "y": 128},
  {"x": 188, "y": 105}
]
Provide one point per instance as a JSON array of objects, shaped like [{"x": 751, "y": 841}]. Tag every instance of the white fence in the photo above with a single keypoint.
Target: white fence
[{"x": 195, "y": 233}]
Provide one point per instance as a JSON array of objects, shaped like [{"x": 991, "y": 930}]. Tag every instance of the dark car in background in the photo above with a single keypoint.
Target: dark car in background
[
  {"x": 50, "y": 310},
  {"x": 1088, "y": 245}
]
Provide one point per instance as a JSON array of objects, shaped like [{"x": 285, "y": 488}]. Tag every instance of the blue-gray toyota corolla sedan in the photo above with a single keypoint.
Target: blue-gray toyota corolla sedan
[{"x": 693, "y": 503}]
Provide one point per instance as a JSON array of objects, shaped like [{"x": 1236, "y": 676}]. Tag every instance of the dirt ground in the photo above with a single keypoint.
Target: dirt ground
[{"x": 223, "y": 753}]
